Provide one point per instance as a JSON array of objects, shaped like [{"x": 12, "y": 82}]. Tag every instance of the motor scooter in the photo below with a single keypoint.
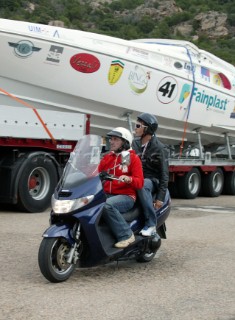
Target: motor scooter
[{"x": 78, "y": 235}]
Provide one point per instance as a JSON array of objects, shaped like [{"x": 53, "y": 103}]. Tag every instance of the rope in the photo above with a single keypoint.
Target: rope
[
  {"x": 191, "y": 95},
  {"x": 189, "y": 105},
  {"x": 34, "y": 110}
]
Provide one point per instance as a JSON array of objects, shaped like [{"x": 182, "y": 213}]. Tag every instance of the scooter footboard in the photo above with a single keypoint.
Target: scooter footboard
[{"x": 59, "y": 231}]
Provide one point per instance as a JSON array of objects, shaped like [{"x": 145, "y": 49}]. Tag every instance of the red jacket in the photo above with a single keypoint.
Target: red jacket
[{"x": 111, "y": 163}]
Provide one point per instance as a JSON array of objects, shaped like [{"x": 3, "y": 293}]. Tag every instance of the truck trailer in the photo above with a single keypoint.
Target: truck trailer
[
  {"x": 189, "y": 90},
  {"x": 34, "y": 148}
]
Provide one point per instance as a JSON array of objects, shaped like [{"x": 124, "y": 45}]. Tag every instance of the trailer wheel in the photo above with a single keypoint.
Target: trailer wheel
[
  {"x": 213, "y": 183},
  {"x": 229, "y": 183},
  {"x": 190, "y": 184},
  {"x": 37, "y": 184}
]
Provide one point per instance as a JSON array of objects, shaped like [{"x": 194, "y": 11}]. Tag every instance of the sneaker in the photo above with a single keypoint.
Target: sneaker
[
  {"x": 148, "y": 231},
  {"x": 125, "y": 243}
]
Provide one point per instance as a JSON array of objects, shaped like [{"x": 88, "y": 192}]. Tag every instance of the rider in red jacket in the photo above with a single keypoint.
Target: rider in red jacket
[
  {"x": 111, "y": 163},
  {"x": 121, "y": 194}
]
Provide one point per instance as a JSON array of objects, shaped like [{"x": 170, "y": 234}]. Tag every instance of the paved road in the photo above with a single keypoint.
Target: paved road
[{"x": 192, "y": 276}]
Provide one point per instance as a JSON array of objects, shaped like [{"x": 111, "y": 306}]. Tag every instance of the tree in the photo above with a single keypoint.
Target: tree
[
  {"x": 162, "y": 30},
  {"x": 145, "y": 25}
]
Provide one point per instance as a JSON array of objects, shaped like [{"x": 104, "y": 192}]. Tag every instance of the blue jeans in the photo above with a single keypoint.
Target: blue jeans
[
  {"x": 146, "y": 199},
  {"x": 112, "y": 213}
]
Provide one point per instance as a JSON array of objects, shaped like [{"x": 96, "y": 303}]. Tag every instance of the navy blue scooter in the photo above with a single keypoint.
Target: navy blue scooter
[{"x": 77, "y": 234}]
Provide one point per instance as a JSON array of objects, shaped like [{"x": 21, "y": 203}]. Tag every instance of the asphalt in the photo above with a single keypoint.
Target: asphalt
[{"x": 192, "y": 276}]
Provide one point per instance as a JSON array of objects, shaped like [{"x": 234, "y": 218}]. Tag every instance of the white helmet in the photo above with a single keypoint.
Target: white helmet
[{"x": 121, "y": 133}]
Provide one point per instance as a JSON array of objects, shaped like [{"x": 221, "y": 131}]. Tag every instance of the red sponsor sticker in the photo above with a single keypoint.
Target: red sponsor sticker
[{"x": 85, "y": 62}]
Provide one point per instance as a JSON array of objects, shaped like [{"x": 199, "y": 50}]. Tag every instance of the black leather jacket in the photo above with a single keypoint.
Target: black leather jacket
[{"x": 155, "y": 163}]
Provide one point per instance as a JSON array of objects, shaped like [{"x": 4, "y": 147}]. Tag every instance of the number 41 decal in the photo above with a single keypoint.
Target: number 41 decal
[{"x": 167, "y": 90}]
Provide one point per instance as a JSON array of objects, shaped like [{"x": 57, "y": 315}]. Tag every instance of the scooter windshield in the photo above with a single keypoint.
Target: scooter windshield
[{"x": 83, "y": 162}]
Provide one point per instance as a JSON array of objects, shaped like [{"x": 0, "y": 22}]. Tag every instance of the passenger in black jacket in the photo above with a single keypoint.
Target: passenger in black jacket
[{"x": 155, "y": 166}]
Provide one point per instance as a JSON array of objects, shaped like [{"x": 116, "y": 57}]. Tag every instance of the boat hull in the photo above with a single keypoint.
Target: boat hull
[{"x": 113, "y": 79}]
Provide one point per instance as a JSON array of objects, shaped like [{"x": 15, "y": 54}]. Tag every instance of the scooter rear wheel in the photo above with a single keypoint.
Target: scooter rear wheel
[
  {"x": 149, "y": 253},
  {"x": 52, "y": 259}
]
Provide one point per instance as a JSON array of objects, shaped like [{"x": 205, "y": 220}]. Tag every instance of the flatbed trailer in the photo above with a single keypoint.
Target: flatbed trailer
[{"x": 203, "y": 171}]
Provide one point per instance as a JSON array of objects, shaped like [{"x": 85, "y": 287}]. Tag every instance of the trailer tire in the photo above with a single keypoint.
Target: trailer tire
[
  {"x": 213, "y": 183},
  {"x": 190, "y": 184},
  {"x": 229, "y": 183},
  {"x": 37, "y": 184}
]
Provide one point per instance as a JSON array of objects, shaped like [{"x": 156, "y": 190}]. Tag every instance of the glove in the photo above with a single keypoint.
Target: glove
[{"x": 103, "y": 175}]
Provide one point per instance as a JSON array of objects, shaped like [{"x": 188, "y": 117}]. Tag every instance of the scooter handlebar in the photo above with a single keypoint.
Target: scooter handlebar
[{"x": 106, "y": 176}]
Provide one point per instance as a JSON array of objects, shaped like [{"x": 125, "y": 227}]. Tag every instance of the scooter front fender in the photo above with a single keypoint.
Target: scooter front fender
[{"x": 59, "y": 231}]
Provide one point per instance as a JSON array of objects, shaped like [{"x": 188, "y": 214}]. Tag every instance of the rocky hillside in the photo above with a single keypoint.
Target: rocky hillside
[{"x": 210, "y": 24}]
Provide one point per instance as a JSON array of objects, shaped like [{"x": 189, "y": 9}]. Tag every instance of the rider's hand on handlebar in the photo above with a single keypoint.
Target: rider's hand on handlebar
[
  {"x": 126, "y": 179},
  {"x": 104, "y": 175}
]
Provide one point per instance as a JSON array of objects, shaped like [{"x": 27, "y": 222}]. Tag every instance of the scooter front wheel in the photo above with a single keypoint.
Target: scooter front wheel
[{"x": 52, "y": 259}]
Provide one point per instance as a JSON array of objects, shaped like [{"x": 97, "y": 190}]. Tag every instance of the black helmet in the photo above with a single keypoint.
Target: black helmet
[{"x": 150, "y": 121}]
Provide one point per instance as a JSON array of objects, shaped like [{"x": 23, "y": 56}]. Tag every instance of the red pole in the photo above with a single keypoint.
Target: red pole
[{"x": 88, "y": 122}]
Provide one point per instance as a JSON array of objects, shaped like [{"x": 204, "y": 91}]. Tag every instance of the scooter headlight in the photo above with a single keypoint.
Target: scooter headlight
[{"x": 67, "y": 206}]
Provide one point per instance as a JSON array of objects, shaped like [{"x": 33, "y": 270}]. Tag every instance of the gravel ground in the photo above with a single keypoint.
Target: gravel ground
[{"x": 191, "y": 277}]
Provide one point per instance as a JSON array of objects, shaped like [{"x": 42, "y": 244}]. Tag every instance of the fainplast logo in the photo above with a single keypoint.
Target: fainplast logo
[
  {"x": 209, "y": 100},
  {"x": 201, "y": 96}
]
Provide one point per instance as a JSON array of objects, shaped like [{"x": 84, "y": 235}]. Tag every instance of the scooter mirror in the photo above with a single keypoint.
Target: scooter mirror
[{"x": 125, "y": 156}]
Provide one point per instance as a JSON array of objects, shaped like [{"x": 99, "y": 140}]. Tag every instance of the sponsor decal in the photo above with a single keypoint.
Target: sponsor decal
[
  {"x": 201, "y": 97},
  {"x": 166, "y": 60},
  {"x": 95, "y": 155},
  {"x": 115, "y": 71},
  {"x": 178, "y": 65},
  {"x": 23, "y": 48},
  {"x": 85, "y": 63},
  {"x": 44, "y": 30},
  {"x": 54, "y": 54},
  {"x": 189, "y": 67},
  {"x": 225, "y": 81},
  {"x": 205, "y": 74},
  {"x": 64, "y": 146},
  {"x": 167, "y": 90},
  {"x": 217, "y": 80},
  {"x": 233, "y": 82},
  {"x": 233, "y": 113},
  {"x": 138, "y": 52},
  {"x": 138, "y": 80},
  {"x": 185, "y": 92}
]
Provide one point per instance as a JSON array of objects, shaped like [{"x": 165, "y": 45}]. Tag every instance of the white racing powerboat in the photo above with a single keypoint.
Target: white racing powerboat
[{"x": 113, "y": 80}]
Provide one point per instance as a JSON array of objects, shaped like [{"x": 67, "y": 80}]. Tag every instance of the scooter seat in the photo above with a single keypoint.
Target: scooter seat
[
  {"x": 132, "y": 214},
  {"x": 135, "y": 211}
]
